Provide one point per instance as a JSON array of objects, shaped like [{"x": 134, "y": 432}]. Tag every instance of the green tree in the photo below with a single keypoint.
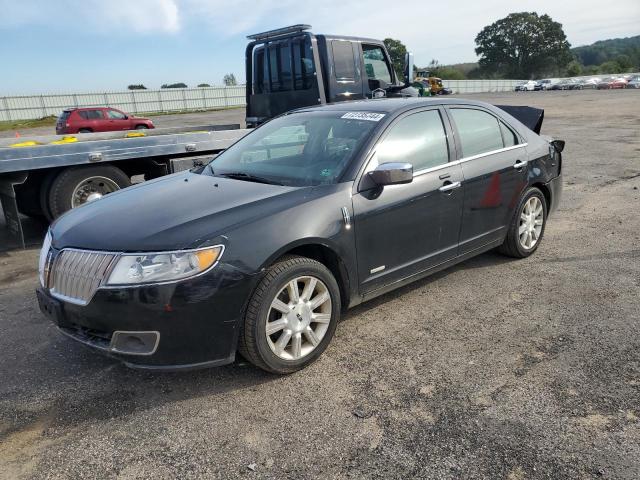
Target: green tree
[
  {"x": 230, "y": 80},
  {"x": 397, "y": 52},
  {"x": 610, "y": 67},
  {"x": 138, "y": 86},
  {"x": 444, "y": 71},
  {"x": 523, "y": 45},
  {"x": 625, "y": 63},
  {"x": 202, "y": 85},
  {"x": 174, "y": 85},
  {"x": 574, "y": 68}
]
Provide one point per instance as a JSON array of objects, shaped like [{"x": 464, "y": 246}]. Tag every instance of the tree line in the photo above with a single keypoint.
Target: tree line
[
  {"x": 229, "y": 80},
  {"x": 527, "y": 45}
]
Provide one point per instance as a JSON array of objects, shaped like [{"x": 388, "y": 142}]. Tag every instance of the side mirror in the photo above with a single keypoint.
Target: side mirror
[
  {"x": 558, "y": 145},
  {"x": 393, "y": 173},
  {"x": 126, "y": 117},
  {"x": 408, "y": 69}
]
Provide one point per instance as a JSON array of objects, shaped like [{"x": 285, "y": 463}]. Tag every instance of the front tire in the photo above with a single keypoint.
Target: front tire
[
  {"x": 527, "y": 225},
  {"x": 141, "y": 127},
  {"x": 291, "y": 316}
]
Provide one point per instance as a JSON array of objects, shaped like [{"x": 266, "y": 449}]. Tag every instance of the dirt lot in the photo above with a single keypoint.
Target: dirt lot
[{"x": 494, "y": 369}]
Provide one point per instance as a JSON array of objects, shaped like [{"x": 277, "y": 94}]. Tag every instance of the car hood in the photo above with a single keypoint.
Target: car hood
[{"x": 179, "y": 211}]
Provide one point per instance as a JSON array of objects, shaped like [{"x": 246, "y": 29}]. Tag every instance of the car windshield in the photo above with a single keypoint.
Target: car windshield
[{"x": 300, "y": 149}]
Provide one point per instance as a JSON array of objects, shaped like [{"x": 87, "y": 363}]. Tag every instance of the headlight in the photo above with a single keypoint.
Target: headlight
[
  {"x": 142, "y": 268},
  {"x": 44, "y": 253}
]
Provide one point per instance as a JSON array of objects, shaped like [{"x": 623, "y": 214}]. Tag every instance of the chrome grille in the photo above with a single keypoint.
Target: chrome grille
[{"x": 77, "y": 274}]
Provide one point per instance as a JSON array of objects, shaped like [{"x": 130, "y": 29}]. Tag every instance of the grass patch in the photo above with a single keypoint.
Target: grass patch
[
  {"x": 20, "y": 124},
  {"x": 181, "y": 112}
]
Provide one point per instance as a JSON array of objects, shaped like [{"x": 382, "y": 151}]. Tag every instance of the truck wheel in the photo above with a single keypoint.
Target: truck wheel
[
  {"x": 45, "y": 188},
  {"x": 527, "y": 226},
  {"x": 76, "y": 186},
  {"x": 291, "y": 317}
]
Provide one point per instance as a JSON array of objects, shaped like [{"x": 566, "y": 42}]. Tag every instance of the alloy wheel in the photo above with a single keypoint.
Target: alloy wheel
[
  {"x": 298, "y": 318},
  {"x": 531, "y": 221}
]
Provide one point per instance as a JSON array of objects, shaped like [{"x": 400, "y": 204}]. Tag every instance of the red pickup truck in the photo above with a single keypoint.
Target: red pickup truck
[{"x": 98, "y": 119}]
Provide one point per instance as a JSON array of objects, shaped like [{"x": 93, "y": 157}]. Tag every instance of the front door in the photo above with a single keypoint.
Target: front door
[
  {"x": 117, "y": 120},
  {"x": 494, "y": 164},
  {"x": 402, "y": 230}
]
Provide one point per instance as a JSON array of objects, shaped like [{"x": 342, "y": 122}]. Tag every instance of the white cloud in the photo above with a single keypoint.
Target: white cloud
[
  {"x": 445, "y": 33},
  {"x": 103, "y": 16}
]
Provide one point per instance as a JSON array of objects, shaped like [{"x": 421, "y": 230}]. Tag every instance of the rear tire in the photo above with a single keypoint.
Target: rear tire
[
  {"x": 527, "y": 225},
  {"x": 305, "y": 329},
  {"x": 85, "y": 130},
  {"x": 65, "y": 188}
]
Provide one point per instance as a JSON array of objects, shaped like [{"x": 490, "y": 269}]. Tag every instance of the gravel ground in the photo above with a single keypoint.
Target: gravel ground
[{"x": 493, "y": 369}]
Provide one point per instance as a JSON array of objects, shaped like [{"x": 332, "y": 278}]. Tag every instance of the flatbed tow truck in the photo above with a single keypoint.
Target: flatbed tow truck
[{"x": 286, "y": 68}]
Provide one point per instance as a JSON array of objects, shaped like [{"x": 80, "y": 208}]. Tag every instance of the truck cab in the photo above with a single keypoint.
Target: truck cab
[{"x": 291, "y": 68}]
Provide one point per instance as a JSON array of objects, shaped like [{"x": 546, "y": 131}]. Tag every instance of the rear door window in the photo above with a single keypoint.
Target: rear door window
[
  {"x": 91, "y": 114},
  {"x": 479, "y": 132},
  {"x": 508, "y": 136}
]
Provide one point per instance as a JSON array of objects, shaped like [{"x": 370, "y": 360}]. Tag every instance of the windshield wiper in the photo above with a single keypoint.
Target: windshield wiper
[{"x": 247, "y": 177}]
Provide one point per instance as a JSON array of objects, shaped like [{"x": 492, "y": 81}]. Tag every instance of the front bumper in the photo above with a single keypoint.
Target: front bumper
[{"x": 189, "y": 324}]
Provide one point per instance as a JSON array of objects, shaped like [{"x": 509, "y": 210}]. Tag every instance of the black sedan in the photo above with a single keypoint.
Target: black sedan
[{"x": 312, "y": 213}]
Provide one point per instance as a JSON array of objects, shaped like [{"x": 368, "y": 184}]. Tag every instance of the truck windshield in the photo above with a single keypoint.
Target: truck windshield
[{"x": 301, "y": 149}]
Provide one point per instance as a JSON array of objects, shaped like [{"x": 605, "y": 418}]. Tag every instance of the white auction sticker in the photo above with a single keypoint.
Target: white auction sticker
[{"x": 372, "y": 117}]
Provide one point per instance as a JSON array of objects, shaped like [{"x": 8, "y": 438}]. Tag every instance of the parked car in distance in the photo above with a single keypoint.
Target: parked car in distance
[
  {"x": 612, "y": 83},
  {"x": 526, "y": 86},
  {"x": 566, "y": 84},
  {"x": 349, "y": 201},
  {"x": 585, "y": 83},
  {"x": 98, "y": 119},
  {"x": 634, "y": 82},
  {"x": 542, "y": 84}
]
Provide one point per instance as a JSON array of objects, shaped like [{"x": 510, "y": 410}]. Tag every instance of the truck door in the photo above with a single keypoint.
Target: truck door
[
  {"x": 344, "y": 76},
  {"x": 377, "y": 68}
]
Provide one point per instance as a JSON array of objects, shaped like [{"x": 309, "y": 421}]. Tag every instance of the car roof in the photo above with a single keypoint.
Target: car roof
[{"x": 391, "y": 105}]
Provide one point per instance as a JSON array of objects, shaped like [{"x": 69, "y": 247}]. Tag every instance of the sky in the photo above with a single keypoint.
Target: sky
[{"x": 57, "y": 46}]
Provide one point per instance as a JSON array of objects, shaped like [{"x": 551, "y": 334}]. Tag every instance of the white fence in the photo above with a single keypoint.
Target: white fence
[
  {"x": 480, "y": 86},
  {"x": 178, "y": 99},
  {"x": 131, "y": 101}
]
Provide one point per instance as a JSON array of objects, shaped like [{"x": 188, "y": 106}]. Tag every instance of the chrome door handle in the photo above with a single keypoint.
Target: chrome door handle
[
  {"x": 519, "y": 164},
  {"x": 450, "y": 186}
]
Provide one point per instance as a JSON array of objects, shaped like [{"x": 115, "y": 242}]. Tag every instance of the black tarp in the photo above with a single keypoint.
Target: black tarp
[{"x": 531, "y": 117}]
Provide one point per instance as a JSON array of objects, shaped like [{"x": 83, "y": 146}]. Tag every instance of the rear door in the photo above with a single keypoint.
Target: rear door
[
  {"x": 91, "y": 119},
  {"x": 402, "y": 230},
  {"x": 494, "y": 165}
]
